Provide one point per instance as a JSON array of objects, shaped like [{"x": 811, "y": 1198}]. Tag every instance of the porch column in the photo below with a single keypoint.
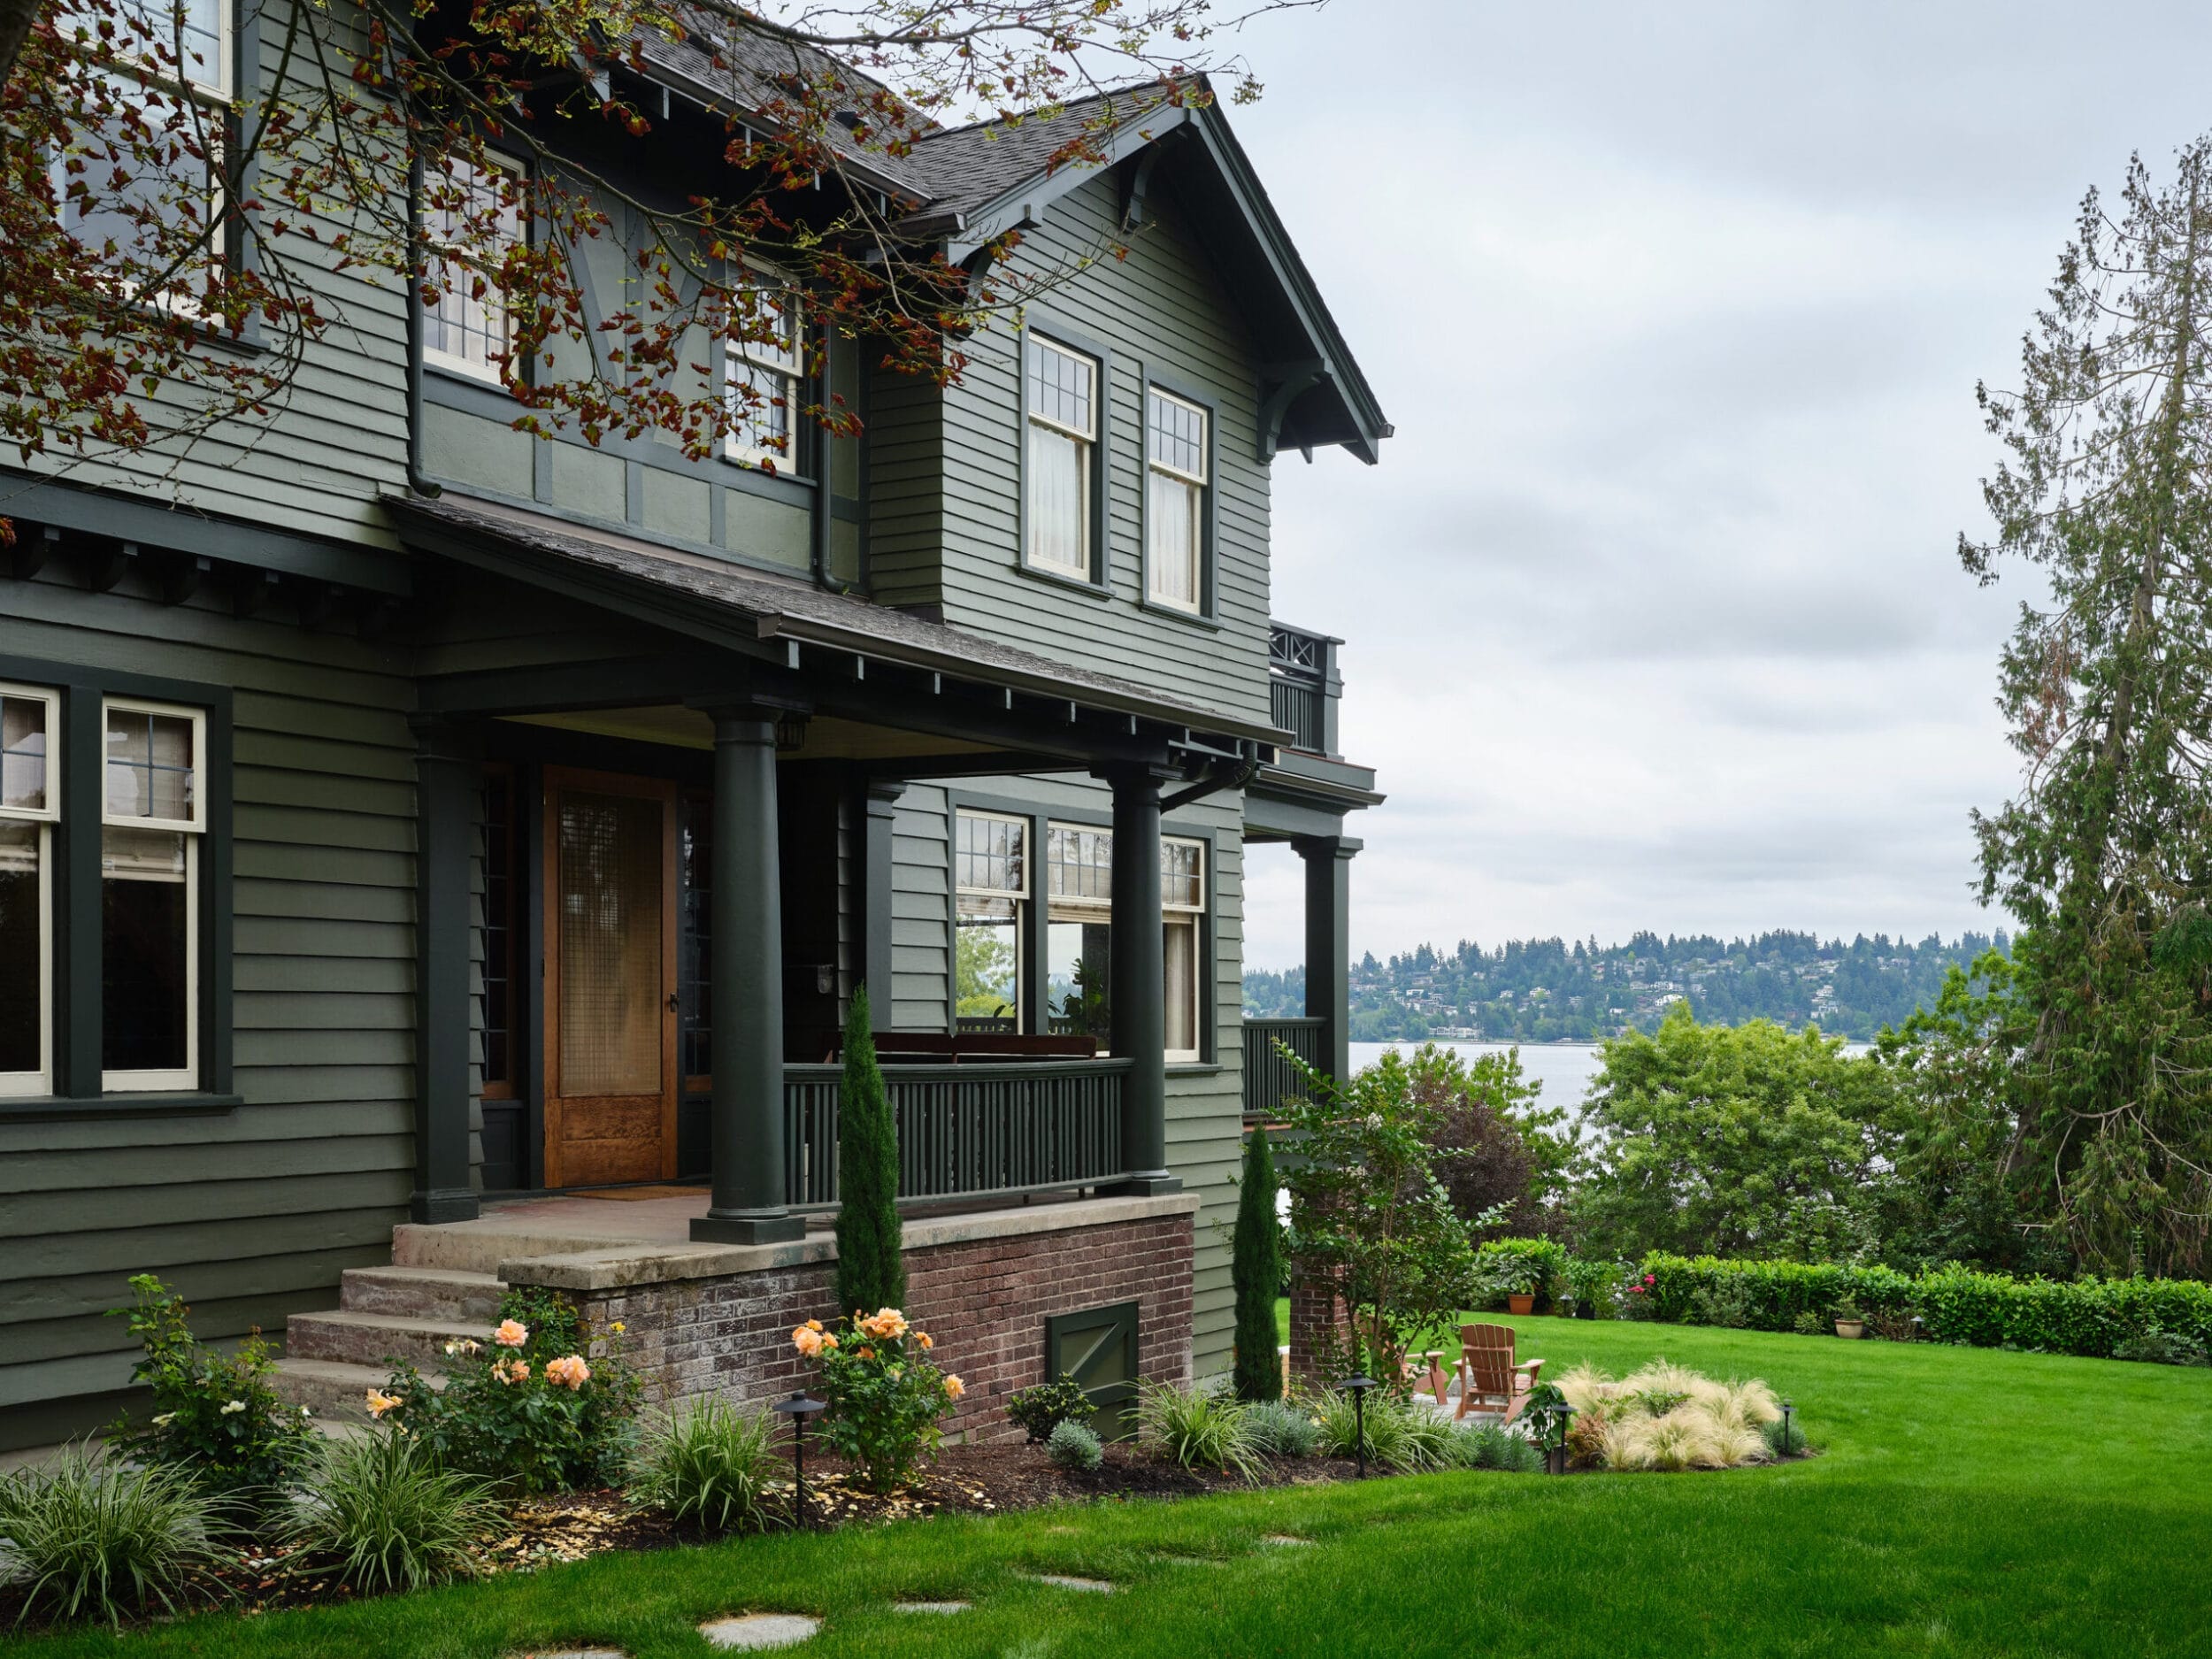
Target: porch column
[
  {"x": 883, "y": 798},
  {"x": 747, "y": 1007},
  {"x": 1329, "y": 944},
  {"x": 445, "y": 829},
  {"x": 1136, "y": 975}
]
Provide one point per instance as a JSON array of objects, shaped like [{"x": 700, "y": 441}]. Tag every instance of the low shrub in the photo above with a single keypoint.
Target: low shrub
[
  {"x": 216, "y": 1416},
  {"x": 709, "y": 1464},
  {"x": 1490, "y": 1445},
  {"x": 1810, "y": 1324},
  {"x": 392, "y": 1516},
  {"x": 1523, "y": 1267},
  {"x": 1281, "y": 1430},
  {"x": 2161, "y": 1348},
  {"x": 89, "y": 1537},
  {"x": 1038, "y": 1410},
  {"x": 884, "y": 1397},
  {"x": 1073, "y": 1446},
  {"x": 1726, "y": 1305},
  {"x": 1784, "y": 1437},
  {"x": 1197, "y": 1427},
  {"x": 542, "y": 1402},
  {"x": 1593, "y": 1285},
  {"x": 1666, "y": 1417}
]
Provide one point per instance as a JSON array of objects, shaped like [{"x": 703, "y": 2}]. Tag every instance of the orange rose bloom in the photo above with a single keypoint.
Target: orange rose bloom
[
  {"x": 954, "y": 1387},
  {"x": 511, "y": 1334}
]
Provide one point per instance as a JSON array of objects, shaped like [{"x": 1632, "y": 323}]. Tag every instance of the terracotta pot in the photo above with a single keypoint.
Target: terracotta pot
[
  {"x": 1852, "y": 1329},
  {"x": 1520, "y": 1304}
]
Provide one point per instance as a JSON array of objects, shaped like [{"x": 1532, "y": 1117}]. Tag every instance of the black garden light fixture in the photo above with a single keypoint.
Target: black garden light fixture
[
  {"x": 1357, "y": 1387},
  {"x": 1788, "y": 1407},
  {"x": 799, "y": 1407}
]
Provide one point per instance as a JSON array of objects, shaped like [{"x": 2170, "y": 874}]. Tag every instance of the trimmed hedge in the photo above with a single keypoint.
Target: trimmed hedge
[{"x": 1954, "y": 1304}]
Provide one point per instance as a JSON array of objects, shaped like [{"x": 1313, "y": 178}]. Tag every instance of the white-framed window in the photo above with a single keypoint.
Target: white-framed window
[
  {"x": 1182, "y": 913},
  {"x": 468, "y": 329},
  {"x": 991, "y": 887},
  {"x": 761, "y": 377},
  {"x": 30, "y": 806},
  {"x": 1062, "y": 395},
  {"x": 154, "y": 812},
  {"x": 1176, "y": 478}
]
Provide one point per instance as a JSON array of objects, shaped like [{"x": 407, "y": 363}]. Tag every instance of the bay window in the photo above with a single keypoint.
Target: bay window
[
  {"x": 153, "y": 816},
  {"x": 471, "y": 215},
  {"x": 1176, "y": 478},
  {"x": 30, "y": 805},
  {"x": 991, "y": 883},
  {"x": 1062, "y": 395}
]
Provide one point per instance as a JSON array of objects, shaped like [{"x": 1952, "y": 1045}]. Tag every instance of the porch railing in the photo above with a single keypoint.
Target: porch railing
[
  {"x": 966, "y": 1130},
  {"x": 1298, "y": 684},
  {"x": 1268, "y": 1077}
]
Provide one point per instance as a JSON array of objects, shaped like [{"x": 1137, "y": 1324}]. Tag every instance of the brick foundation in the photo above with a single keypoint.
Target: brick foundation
[
  {"x": 1316, "y": 1313},
  {"x": 984, "y": 1302}
]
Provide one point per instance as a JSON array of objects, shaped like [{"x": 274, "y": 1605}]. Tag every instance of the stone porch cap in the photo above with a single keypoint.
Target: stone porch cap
[{"x": 620, "y": 1266}]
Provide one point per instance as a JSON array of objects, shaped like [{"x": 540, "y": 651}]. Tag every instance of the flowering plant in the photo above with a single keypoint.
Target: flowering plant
[
  {"x": 527, "y": 1405},
  {"x": 884, "y": 1397}
]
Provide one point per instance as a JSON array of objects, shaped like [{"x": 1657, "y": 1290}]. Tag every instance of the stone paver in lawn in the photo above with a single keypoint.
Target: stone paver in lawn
[
  {"x": 1285, "y": 1541},
  {"x": 752, "y": 1632},
  {"x": 929, "y": 1607},
  {"x": 1097, "y": 1587},
  {"x": 573, "y": 1653}
]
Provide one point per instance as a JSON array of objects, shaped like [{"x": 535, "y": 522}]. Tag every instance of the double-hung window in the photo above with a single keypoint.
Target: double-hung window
[
  {"x": 30, "y": 806},
  {"x": 154, "y": 814},
  {"x": 1078, "y": 930},
  {"x": 1063, "y": 394},
  {"x": 1176, "y": 477},
  {"x": 1183, "y": 909},
  {"x": 991, "y": 881},
  {"x": 761, "y": 377},
  {"x": 472, "y": 216}
]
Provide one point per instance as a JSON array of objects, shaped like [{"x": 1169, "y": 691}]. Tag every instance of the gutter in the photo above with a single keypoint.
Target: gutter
[{"x": 417, "y": 480}]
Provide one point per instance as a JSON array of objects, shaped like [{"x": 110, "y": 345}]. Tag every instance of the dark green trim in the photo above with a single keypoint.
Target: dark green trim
[
  {"x": 446, "y": 795},
  {"x": 150, "y": 1104},
  {"x": 1100, "y": 583},
  {"x": 1328, "y": 872},
  {"x": 1208, "y": 613},
  {"x": 1067, "y": 1352},
  {"x": 77, "y": 921},
  {"x": 879, "y": 881}
]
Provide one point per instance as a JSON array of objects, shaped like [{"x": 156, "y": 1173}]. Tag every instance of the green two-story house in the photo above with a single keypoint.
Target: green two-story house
[{"x": 434, "y": 858}]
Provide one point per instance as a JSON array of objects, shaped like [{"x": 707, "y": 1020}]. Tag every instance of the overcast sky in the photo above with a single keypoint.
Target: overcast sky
[{"x": 1654, "y": 613}]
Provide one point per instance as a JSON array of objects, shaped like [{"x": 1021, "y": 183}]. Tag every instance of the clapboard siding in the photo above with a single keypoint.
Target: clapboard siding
[
  {"x": 251, "y": 1213},
  {"x": 946, "y": 468}
]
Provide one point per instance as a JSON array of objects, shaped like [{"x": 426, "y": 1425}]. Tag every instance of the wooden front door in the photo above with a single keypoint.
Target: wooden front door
[{"x": 610, "y": 979}]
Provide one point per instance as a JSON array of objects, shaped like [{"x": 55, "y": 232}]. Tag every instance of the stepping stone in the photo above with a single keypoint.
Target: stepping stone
[
  {"x": 754, "y": 1632},
  {"x": 1285, "y": 1541},
  {"x": 1096, "y": 1587},
  {"x": 929, "y": 1607},
  {"x": 574, "y": 1653}
]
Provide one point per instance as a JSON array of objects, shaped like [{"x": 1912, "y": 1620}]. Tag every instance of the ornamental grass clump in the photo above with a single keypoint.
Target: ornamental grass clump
[
  {"x": 709, "y": 1464},
  {"x": 884, "y": 1397},
  {"x": 1489, "y": 1446},
  {"x": 1667, "y": 1417},
  {"x": 391, "y": 1516},
  {"x": 1197, "y": 1428},
  {"x": 89, "y": 1536}
]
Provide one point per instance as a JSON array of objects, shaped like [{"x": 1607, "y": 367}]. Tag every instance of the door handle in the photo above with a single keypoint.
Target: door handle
[{"x": 675, "y": 1002}]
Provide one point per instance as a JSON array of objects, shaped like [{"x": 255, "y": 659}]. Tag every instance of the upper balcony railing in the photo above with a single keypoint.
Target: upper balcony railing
[{"x": 1303, "y": 687}]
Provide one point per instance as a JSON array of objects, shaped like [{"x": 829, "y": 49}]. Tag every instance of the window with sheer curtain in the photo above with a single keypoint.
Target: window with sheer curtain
[
  {"x": 1063, "y": 393},
  {"x": 1175, "y": 501}
]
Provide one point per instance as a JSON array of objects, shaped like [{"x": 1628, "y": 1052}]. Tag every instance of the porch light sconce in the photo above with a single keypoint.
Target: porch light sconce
[
  {"x": 799, "y": 1407},
  {"x": 1357, "y": 1387},
  {"x": 790, "y": 735}
]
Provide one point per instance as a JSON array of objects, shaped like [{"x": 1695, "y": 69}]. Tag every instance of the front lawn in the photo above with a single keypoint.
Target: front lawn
[{"x": 1969, "y": 1502}]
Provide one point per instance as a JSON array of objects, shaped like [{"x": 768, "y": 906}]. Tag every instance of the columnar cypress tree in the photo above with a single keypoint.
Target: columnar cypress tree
[
  {"x": 1256, "y": 1267},
  {"x": 871, "y": 1265}
]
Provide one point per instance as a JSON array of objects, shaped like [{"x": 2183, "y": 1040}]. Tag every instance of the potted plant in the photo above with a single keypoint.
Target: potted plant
[
  {"x": 1849, "y": 1321},
  {"x": 1519, "y": 1281}
]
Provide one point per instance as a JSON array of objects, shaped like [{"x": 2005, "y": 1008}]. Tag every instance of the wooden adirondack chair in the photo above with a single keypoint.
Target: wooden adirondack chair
[{"x": 1489, "y": 1379}]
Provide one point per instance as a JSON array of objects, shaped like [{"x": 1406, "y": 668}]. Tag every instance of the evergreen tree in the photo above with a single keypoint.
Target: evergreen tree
[
  {"x": 870, "y": 1267},
  {"x": 1256, "y": 1267}
]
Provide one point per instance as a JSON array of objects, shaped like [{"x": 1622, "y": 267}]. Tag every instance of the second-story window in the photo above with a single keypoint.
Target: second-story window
[
  {"x": 1063, "y": 394},
  {"x": 1175, "y": 501},
  {"x": 471, "y": 215},
  {"x": 761, "y": 380}
]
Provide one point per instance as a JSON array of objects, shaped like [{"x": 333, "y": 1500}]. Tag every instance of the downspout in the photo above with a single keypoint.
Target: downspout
[{"x": 416, "y": 480}]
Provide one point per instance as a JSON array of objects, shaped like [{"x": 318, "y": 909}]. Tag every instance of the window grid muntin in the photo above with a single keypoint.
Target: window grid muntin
[
  {"x": 463, "y": 330},
  {"x": 1079, "y": 866},
  {"x": 991, "y": 855},
  {"x": 195, "y": 721},
  {"x": 1062, "y": 388},
  {"x": 15, "y": 756},
  {"x": 1175, "y": 437},
  {"x": 771, "y": 367},
  {"x": 1182, "y": 875}
]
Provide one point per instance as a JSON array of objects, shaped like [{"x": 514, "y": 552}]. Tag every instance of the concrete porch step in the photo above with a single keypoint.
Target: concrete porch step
[
  {"x": 336, "y": 1392},
  {"x": 371, "y": 1339},
  {"x": 431, "y": 1293}
]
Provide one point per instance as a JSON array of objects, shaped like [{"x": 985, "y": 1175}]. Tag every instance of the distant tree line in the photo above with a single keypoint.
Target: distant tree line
[{"x": 1549, "y": 990}]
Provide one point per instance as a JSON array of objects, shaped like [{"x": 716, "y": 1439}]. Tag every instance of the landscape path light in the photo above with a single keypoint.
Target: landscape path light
[
  {"x": 1357, "y": 1387},
  {"x": 1786, "y": 1408},
  {"x": 799, "y": 1407}
]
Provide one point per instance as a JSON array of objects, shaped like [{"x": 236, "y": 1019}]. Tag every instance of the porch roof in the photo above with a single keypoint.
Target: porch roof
[{"x": 770, "y": 617}]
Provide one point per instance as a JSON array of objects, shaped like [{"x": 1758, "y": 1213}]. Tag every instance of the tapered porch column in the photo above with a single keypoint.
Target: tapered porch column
[
  {"x": 1136, "y": 979},
  {"x": 445, "y": 820},
  {"x": 1329, "y": 944},
  {"x": 747, "y": 1110}
]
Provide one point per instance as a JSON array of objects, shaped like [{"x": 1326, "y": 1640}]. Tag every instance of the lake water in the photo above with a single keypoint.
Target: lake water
[{"x": 1564, "y": 1069}]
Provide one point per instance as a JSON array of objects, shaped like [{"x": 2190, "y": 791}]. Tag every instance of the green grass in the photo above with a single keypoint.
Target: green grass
[{"x": 1969, "y": 1503}]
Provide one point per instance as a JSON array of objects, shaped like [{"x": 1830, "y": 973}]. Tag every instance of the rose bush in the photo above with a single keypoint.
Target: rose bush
[{"x": 884, "y": 1397}]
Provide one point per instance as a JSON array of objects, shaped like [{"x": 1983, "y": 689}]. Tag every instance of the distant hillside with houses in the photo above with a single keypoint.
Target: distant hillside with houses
[{"x": 1549, "y": 990}]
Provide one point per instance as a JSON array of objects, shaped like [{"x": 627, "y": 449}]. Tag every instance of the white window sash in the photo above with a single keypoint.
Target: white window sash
[
  {"x": 50, "y": 813},
  {"x": 188, "y": 1076},
  {"x": 779, "y": 364},
  {"x": 17, "y": 1084},
  {"x": 1205, "y": 440},
  {"x": 487, "y": 316},
  {"x": 197, "y": 825},
  {"x": 1027, "y": 855},
  {"x": 1088, "y": 435}
]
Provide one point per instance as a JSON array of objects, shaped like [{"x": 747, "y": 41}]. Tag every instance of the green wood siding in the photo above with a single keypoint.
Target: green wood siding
[{"x": 252, "y": 1213}]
